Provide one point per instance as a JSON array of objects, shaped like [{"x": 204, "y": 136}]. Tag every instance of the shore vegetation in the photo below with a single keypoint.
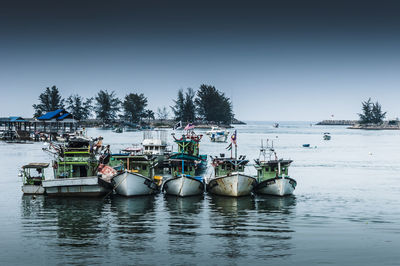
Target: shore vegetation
[
  {"x": 49, "y": 100},
  {"x": 371, "y": 113}
]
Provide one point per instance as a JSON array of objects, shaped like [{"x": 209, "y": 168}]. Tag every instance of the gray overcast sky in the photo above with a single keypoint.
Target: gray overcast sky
[{"x": 277, "y": 60}]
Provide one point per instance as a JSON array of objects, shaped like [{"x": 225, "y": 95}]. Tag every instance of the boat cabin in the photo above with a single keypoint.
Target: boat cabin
[
  {"x": 189, "y": 144},
  {"x": 33, "y": 173},
  {"x": 154, "y": 146},
  {"x": 271, "y": 169},
  {"x": 189, "y": 167},
  {"x": 140, "y": 164},
  {"x": 76, "y": 160},
  {"x": 225, "y": 166}
]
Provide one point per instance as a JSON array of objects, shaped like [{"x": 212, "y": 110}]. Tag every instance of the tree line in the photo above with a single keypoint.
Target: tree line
[{"x": 207, "y": 104}]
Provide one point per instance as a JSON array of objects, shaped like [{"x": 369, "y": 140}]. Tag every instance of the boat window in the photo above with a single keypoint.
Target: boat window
[
  {"x": 223, "y": 167},
  {"x": 143, "y": 167}
]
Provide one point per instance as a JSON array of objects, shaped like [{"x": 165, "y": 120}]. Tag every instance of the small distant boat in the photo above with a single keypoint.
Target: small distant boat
[
  {"x": 119, "y": 130},
  {"x": 306, "y": 145},
  {"x": 33, "y": 175},
  {"x": 276, "y": 125},
  {"x": 218, "y": 134},
  {"x": 272, "y": 175},
  {"x": 327, "y": 136}
]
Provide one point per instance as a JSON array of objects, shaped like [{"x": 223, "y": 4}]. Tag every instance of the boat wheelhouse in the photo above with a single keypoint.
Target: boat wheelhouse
[{"x": 33, "y": 176}]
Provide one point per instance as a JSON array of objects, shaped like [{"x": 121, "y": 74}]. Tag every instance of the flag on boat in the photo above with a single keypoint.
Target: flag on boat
[
  {"x": 177, "y": 125},
  {"x": 233, "y": 138},
  {"x": 229, "y": 147},
  {"x": 189, "y": 126}
]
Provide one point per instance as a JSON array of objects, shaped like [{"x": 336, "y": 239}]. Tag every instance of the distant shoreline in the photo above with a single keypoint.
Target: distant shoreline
[
  {"x": 354, "y": 124},
  {"x": 337, "y": 123}
]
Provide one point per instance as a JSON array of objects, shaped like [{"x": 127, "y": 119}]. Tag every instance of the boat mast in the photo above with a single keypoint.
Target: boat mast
[{"x": 236, "y": 162}]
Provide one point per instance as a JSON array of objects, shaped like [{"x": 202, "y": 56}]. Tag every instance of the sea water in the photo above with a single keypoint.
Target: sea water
[{"x": 345, "y": 211}]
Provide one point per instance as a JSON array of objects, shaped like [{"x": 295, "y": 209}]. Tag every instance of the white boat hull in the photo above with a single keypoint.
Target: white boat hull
[
  {"x": 33, "y": 189},
  {"x": 234, "y": 185},
  {"x": 276, "y": 186},
  {"x": 77, "y": 187},
  {"x": 133, "y": 184},
  {"x": 183, "y": 186}
]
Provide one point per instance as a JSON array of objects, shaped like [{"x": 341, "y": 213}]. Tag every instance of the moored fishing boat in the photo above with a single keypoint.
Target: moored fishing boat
[
  {"x": 272, "y": 175},
  {"x": 33, "y": 176},
  {"x": 230, "y": 179},
  {"x": 186, "y": 167},
  {"x": 75, "y": 171},
  {"x": 183, "y": 181},
  {"x": 135, "y": 176}
]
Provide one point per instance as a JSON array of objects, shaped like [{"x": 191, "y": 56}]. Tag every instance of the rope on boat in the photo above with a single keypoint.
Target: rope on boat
[{"x": 116, "y": 186}]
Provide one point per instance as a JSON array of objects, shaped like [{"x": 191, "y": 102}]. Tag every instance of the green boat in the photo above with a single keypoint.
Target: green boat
[
  {"x": 273, "y": 174},
  {"x": 186, "y": 167},
  {"x": 230, "y": 178},
  {"x": 189, "y": 149},
  {"x": 135, "y": 174},
  {"x": 33, "y": 176},
  {"x": 75, "y": 171}
]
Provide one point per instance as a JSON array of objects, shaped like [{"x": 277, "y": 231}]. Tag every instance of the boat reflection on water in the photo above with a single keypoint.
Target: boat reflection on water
[
  {"x": 274, "y": 229},
  {"x": 268, "y": 203},
  {"x": 260, "y": 223},
  {"x": 133, "y": 206},
  {"x": 229, "y": 217},
  {"x": 184, "y": 227},
  {"x": 188, "y": 205},
  {"x": 232, "y": 206},
  {"x": 71, "y": 225},
  {"x": 134, "y": 224}
]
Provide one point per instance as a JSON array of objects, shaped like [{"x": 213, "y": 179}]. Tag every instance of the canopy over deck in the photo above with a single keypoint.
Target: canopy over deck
[{"x": 36, "y": 165}]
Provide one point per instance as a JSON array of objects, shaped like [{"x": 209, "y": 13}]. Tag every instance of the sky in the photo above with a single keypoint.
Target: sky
[{"x": 276, "y": 60}]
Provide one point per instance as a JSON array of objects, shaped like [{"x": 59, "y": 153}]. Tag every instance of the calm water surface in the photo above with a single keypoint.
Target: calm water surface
[{"x": 345, "y": 211}]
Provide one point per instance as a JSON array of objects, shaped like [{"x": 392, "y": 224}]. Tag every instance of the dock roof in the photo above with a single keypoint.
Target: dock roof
[
  {"x": 16, "y": 119},
  {"x": 50, "y": 115},
  {"x": 58, "y": 114}
]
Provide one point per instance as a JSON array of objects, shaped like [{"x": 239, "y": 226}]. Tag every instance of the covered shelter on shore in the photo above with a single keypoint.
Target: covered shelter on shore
[{"x": 51, "y": 122}]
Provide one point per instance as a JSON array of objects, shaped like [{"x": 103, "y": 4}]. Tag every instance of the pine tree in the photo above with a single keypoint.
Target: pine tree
[{"x": 49, "y": 100}]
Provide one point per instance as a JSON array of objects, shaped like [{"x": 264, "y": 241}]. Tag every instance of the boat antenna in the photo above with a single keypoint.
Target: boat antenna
[
  {"x": 262, "y": 150},
  {"x": 235, "y": 142}
]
